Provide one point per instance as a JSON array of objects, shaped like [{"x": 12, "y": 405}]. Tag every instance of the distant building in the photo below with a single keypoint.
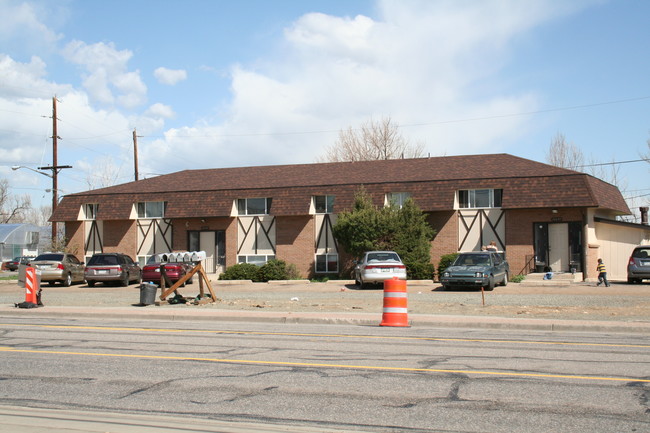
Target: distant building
[
  {"x": 541, "y": 216},
  {"x": 18, "y": 240}
]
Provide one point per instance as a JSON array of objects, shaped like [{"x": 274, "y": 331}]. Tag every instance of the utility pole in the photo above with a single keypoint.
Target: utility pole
[
  {"x": 55, "y": 167},
  {"x": 135, "y": 153}
]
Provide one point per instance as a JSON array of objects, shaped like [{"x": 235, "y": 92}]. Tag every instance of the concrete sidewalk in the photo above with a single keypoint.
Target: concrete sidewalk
[
  {"x": 550, "y": 307},
  {"x": 339, "y": 318}
]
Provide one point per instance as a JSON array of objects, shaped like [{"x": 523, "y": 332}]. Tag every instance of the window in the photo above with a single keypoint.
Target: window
[
  {"x": 327, "y": 263},
  {"x": 254, "y": 206},
  {"x": 90, "y": 211},
  {"x": 396, "y": 198},
  {"x": 324, "y": 203},
  {"x": 258, "y": 260},
  {"x": 479, "y": 198},
  {"x": 151, "y": 209}
]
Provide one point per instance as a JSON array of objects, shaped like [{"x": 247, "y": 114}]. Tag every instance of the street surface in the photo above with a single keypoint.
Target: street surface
[{"x": 311, "y": 377}]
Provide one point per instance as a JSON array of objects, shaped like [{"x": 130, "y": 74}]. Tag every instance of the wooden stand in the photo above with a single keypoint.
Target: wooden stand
[{"x": 174, "y": 288}]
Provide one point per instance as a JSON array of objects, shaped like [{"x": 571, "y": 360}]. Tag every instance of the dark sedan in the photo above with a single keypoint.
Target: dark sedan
[{"x": 476, "y": 269}]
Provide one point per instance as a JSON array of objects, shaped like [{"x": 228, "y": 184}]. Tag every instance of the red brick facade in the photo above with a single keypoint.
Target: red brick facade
[{"x": 203, "y": 200}]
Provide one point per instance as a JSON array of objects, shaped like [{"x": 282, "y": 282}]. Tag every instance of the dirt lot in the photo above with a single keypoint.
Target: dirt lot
[{"x": 620, "y": 302}]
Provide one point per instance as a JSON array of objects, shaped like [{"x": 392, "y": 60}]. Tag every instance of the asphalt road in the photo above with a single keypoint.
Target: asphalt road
[{"x": 348, "y": 378}]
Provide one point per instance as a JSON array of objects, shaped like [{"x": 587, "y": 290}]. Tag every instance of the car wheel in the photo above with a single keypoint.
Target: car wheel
[
  {"x": 361, "y": 284},
  {"x": 68, "y": 281},
  {"x": 90, "y": 283},
  {"x": 125, "y": 280},
  {"x": 490, "y": 284},
  {"x": 505, "y": 280}
]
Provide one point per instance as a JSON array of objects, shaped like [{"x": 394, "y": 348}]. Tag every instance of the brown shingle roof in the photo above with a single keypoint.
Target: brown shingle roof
[{"x": 431, "y": 181}]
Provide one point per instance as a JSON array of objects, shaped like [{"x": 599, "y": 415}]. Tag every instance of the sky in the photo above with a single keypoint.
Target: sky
[{"x": 216, "y": 83}]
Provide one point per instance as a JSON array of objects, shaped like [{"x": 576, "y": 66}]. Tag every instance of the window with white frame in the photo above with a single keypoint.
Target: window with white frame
[
  {"x": 254, "y": 206},
  {"x": 397, "y": 198},
  {"x": 324, "y": 203},
  {"x": 90, "y": 211},
  {"x": 151, "y": 209},
  {"x": 479, "y": 198},
  {"x": 258, "y": 260},
  {"x": 327, "y": 263}
]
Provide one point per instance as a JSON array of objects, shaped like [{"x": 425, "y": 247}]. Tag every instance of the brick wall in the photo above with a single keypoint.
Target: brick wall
[
  {"x": 295, "y": 242},
  {"x": 120, "y": 237},
  {"x": 74, "y": 235},
  {"x": 446, "y": 241}
]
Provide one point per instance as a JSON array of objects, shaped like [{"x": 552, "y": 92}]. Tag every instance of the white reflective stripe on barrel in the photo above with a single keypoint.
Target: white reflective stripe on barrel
[
  {"x": 394, "y": 294},
  {"x": 395, "y": 310}
]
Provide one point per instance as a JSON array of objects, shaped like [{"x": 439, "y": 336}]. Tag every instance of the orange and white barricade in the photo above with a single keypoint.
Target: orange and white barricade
[
  {"x": 395, "y": 303},
  {"x": 31, "y": 285}
]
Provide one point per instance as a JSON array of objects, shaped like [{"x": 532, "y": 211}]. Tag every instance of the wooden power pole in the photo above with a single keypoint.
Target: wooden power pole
[{"x": 135, "y": 153}]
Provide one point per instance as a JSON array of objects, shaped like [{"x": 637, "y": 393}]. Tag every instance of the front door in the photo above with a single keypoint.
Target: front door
[
  {"x": 558, "y": 248},
  {"x": 207, "y": 243}
]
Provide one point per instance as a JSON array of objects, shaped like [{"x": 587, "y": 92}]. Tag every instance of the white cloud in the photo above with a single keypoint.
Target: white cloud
[
  {"x": 107, "y": 73},
  {"x": 23, "y": 23},
  {"x": 418, "y": 62},
  {"x": 170, "y": 76}
]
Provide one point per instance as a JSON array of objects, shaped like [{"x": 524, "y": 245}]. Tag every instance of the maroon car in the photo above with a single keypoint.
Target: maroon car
[{"x": 174, "y": 272}]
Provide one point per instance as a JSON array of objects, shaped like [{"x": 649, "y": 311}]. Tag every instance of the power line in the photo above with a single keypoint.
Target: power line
[{"x": 610, "y": 163}]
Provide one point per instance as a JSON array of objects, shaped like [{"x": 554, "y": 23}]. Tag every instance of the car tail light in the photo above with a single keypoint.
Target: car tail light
[
  {"x": 631, "y": 263},
  {"x": 60, "y": 266},
  {"x": 175, "y": 268}
]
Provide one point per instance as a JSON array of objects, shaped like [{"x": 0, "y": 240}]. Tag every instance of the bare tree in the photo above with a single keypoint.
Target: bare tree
[
  {"x": 12, "y": 208},
  {"x": 374, "y": 141},
  {"x": 564, "y": 154},
  {"x": 39, "y": 217},
  {"x": 104, "y": 174}
]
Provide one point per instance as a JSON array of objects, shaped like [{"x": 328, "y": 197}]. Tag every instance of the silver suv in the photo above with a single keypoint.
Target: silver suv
[
  {"x": 638, "y": 267},
  {"x": 112, "y": 267}
]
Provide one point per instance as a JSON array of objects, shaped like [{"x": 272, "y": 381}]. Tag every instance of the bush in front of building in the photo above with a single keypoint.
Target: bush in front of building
[
  {"x": 276, "y": 270},
  {"x": 240, "y": 271},
  {"x": 270, "y": 271},
  {"x": 420, "y": 271},
  {"x": 445, "y": 261},
  {"x": 403, "y": 229},
  {"x": 517, "y": 278}
]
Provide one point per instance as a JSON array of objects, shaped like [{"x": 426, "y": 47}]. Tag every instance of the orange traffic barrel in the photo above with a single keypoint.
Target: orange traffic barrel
[
  {"x": 31, "y": 285},
  {"x": 395, "y": 303}
]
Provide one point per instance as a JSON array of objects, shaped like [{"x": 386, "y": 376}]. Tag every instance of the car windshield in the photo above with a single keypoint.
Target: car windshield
[
  {"x": 641, "y": 253},
  {"x": 50, "y": 257},
  {"x": 472, "y": 259},
  {"x": 103, "y": 260},
  {"x": 383, "y": 257}
]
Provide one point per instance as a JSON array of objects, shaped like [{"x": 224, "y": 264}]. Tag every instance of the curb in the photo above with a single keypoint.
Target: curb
[{"x": 359, "y": 319}]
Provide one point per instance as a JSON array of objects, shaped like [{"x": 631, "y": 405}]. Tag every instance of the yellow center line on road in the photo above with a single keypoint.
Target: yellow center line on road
[
  {"x": 296, "y": 334},
  {"x": 311, "y": 365}
]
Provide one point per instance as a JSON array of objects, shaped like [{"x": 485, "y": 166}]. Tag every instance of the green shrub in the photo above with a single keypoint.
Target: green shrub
[
  {"x": 240, "y": 271},
  {"x": 517, "y": 278},
  {"x": 446, "y": 261},
  {"x": 273, "y": 270},
  {"x": 420, "y": 271}
]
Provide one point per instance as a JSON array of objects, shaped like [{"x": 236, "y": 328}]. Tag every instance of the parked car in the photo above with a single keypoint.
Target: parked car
[
  {"x": 377, "y": 266},
  {"x": 112, "y": 267},
  {"x": 477, "y": 269},
  {"x": 174, "y": 271},
  {"x": 638, "y": 267},
  {"x": 64, "y": 268},
  {"x": 12, "y": 265}
]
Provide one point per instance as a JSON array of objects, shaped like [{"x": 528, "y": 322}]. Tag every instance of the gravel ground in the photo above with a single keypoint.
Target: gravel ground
[{"x": 580, "y": 301}]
